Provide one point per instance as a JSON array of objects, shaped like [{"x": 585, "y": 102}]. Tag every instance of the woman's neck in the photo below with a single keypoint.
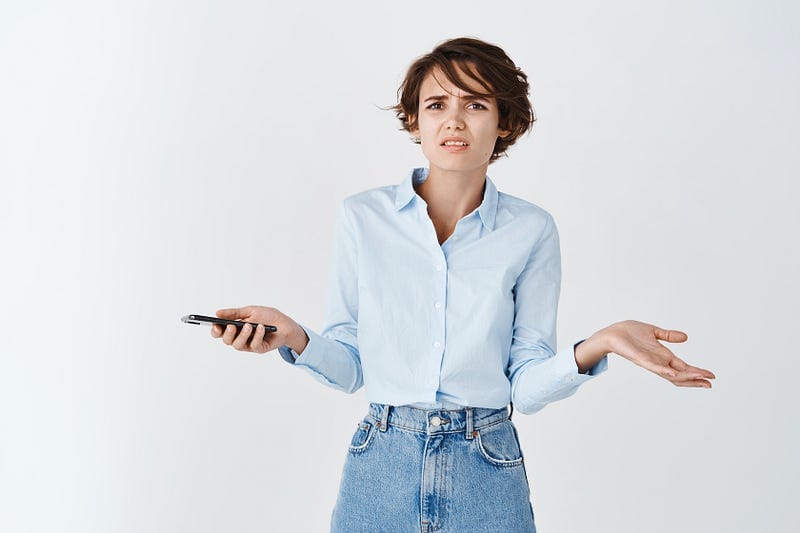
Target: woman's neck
[{"x": 450, "y": 196}]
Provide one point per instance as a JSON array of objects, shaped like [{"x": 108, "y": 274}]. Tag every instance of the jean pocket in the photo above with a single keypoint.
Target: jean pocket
[
  {"x": 499, "y": 445},
  {"x": 362, "y": 437}
]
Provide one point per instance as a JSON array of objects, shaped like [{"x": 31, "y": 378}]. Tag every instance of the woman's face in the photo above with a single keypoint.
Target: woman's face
[{"x": 457, "y": 130}]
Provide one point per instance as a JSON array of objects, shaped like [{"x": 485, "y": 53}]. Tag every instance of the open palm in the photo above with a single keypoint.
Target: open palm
[{"x": 639, "y": 343}]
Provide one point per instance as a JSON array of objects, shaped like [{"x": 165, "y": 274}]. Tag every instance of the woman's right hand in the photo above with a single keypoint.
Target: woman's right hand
[{"x": 289, "y": 332}]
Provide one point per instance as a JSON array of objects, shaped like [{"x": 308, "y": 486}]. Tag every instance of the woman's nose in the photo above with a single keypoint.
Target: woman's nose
[{"x": 454, "y": 121}]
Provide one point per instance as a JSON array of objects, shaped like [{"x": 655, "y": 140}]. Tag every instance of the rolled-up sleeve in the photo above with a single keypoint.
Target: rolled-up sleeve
[
  {"x": 540, "y": 375},
  {"x": 332, "y": 356}
]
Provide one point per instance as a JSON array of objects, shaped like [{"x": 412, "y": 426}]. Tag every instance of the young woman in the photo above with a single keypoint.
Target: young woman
[{"x": 442, "y": 302}]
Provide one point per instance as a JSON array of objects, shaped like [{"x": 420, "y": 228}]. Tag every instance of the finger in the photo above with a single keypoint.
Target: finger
[
  {"x": 270, "y": 341},
  {"x": 708, "y": 374},
  {"x": 670, "y": 335},
  {"x": 681, "y": 365},
  {"x": 696, "y": 372},
  {"x": 665, "y": 371},
  {"x": 216, "y": 331},
  {"x": 678, "y": 364},
  {"x": 690, "y": 375},
  {"x": 259, "y": 342},
  {"x": 701, "y": 372},
  {"x": 698, "y": 383},
  {"x": 229, "y": 335},
  {"x": 240, "y": 343}
]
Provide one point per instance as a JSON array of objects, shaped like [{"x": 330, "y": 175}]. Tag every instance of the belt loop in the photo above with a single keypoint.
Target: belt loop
[
  {"x": 384, "y": 423},
  {"x": 470, "y": 424},
  {"x": 512, "y": 410}
]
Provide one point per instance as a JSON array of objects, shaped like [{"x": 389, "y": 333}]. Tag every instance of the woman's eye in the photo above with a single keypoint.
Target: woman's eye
[
  {"x": 476, "y": 105},
  {"x": 435, "y": 105}
]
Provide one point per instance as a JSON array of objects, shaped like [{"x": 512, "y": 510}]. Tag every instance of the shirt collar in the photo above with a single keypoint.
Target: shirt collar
[{"x": 405, "y": 193}]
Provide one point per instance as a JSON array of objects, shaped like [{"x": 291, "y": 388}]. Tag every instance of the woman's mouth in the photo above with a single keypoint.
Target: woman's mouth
[{"x": 455, "y": 145}]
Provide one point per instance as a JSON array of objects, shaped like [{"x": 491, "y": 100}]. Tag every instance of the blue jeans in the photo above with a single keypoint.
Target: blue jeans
[{"x": 440, "y": 470}]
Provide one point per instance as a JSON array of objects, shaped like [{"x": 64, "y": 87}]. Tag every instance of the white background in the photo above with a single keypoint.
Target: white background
[{"x": 165, "y": 158}]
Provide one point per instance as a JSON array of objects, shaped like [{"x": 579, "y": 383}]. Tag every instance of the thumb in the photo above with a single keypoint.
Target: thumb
[
  {"x": 235, "y": 313},
  {"x": 671, "y": 335}
]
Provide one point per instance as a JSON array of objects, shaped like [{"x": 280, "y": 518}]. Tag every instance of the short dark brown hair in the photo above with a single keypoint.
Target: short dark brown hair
[{"x": 490, "y": 67}]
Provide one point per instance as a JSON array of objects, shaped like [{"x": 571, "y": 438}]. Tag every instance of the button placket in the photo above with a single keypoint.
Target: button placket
[{"x": 439, "y": 293}]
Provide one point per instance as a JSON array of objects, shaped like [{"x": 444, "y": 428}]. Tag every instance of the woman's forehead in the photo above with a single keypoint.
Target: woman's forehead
[{"x": 437, "y": 81}]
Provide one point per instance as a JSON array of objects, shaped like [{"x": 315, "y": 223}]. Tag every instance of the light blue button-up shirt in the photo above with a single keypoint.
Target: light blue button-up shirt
[{"x": 470, "y": 322}]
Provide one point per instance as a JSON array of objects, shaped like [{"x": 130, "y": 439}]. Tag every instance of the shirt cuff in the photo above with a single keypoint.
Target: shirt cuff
[
  {"x": 313, "y": 355},
  {"x": 289, "y": 355},
  {"x": 329, "y": 361},
  {"x": 599, "y": 367}
]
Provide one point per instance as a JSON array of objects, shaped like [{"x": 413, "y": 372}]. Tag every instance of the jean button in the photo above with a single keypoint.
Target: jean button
[{"x": 436, "y": 421}]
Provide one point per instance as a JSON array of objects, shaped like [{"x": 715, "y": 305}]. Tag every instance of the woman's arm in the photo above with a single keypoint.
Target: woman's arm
[
  {"x": 538, "y": 373},
  {"x": 331, "y": 356},
  {"x": 639, "y": 343}
]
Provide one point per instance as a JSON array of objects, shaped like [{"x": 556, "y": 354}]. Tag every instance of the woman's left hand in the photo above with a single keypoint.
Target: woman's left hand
[{"x": 639, "y": 343}]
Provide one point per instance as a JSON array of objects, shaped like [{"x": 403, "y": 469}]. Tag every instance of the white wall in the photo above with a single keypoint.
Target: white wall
[{"x": 165, "y": 158}]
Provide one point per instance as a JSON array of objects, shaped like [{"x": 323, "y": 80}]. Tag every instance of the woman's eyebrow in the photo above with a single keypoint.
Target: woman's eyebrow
[{"x": 439, "y": 97}]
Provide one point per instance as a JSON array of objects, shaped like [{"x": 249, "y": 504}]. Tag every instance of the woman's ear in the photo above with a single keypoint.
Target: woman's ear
[
  {"x": 412, "y": 119},
  {"x": 414, "y": 133}
]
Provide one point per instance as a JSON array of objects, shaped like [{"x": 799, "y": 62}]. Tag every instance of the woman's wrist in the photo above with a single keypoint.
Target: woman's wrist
[
  {"x": 298, "y": 339},
  {"x": 590, "y": 351}
]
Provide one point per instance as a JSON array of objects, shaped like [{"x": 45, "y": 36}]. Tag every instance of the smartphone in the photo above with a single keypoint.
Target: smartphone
[{"x": 201, "y": 319}]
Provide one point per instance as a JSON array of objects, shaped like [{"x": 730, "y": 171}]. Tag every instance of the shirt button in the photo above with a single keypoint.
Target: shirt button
[
  {"x": 439, "y": 268},
  {"x": 436, "y": 421},
  {"x": 437, "y": 344},
  {"x": 438, "y": 305}
]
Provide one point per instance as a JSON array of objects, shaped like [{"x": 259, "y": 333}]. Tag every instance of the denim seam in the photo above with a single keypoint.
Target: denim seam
[
  {"x": 422, "y": 509},
  {"x": 370, "y": 436},
  {"x": 497, "y": 462}
]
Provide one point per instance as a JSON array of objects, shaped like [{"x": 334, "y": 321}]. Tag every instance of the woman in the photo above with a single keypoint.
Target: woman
[{"x": 442, "y": 302}]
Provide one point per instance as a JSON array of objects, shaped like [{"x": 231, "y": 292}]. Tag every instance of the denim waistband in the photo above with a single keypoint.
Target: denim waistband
[{"x": 433, "y": 421}]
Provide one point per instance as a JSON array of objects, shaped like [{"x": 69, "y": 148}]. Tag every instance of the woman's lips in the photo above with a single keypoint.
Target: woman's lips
[{"x": 454, "y": 145}]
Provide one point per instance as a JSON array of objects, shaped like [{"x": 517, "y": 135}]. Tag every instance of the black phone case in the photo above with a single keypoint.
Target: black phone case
[{"x": 202, "y": 319}]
